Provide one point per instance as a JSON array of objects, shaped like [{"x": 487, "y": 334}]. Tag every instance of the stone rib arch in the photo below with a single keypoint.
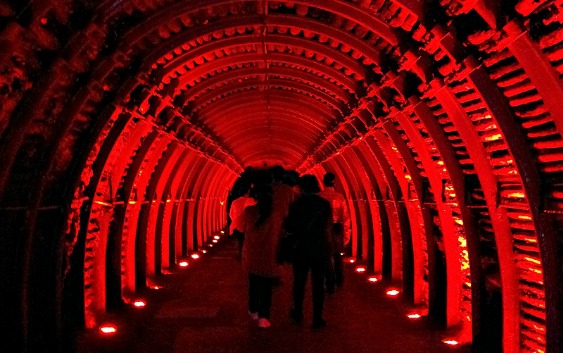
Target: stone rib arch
[{"x": 86, "y": 87}]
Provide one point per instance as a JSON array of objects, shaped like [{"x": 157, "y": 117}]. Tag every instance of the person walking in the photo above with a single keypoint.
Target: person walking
[
  {"x": 308, "y": 223},
  {"x": 236, "y": 214},
  {"x": 340, "y": 234},
  {"x": 262, "y": 228}
]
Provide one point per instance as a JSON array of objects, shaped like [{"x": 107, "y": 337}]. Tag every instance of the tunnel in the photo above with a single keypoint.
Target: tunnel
[{"x": 124, "y": 125}]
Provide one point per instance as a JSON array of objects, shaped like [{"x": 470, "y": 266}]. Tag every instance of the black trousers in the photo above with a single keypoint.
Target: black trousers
[
  {"x": 239, "y": 236},
  {"x": 260, "y": 295},
  {"x": 301, "y": 267},
  {"x": 334, "y": 273}
]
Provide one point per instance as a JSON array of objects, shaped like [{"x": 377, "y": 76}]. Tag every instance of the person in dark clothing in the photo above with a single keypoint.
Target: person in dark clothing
[{"x": 308, "y": 223}]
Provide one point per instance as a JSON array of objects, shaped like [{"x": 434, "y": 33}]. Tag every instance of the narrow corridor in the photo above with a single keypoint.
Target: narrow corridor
[{"x": 202, "y": 308}]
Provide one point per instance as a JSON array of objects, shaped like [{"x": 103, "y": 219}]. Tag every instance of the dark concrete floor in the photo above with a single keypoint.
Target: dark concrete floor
[{"x": 203, "y": 309}]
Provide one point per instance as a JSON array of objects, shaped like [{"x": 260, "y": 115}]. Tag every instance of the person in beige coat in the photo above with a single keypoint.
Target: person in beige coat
[{"x": 262, "y": 228}]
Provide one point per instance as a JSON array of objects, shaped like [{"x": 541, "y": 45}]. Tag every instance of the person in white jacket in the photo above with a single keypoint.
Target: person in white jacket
[
  {"x": 341, "y": 231},
  {"x": 236, "y": 213}
]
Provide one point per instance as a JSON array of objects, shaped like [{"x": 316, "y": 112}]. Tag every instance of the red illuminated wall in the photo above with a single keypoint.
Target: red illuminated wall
[{"x": 124, "y": 124}]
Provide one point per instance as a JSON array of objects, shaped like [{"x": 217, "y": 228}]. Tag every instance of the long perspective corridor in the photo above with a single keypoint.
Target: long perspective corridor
[{"x": 125, "y": 126}]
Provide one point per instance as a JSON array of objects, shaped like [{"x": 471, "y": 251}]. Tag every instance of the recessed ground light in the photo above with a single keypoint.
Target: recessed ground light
[
  {"x": 414, "y": 316},
  {"x": 156, "y": 287},
  {"x": 351, "y": 261},
  {"x": 222, "y": 232},
  {"x": 108, "y": 329},
  {"x": 216, "y": 237},
  {"x": 450, "y": 342},
  {"x": 183, "y": 264},
  {"x": 204, "y": 251},
  {"x": 195, "y": 256},
  {"x": 360, "y": 269},
  {"x": 210, "y": 245},
  {"x": 373, "y": 279},
  {"x": 139, "y": 303},
  {"x": 215, "y": 240},
  {"x": 392, "y": 292}
]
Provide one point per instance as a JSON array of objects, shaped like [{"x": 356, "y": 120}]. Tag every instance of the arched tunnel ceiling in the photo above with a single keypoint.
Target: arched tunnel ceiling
[
  {"x": 442, "y": 119},
  {"x": 239, "y": 76}
]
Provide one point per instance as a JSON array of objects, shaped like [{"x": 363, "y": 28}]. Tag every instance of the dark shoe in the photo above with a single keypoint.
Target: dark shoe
[
  {"x": 296, "y": 316},
  {"x": 317, "y": 324}
]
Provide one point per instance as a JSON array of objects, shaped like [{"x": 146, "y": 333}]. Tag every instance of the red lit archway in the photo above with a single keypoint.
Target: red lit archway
[{"x": 124, "y": 124}]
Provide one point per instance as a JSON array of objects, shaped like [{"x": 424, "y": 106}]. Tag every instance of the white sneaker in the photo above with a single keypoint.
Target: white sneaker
[
  {"x": 263, "y": 323},
  {"x": 253, "y": 316}
]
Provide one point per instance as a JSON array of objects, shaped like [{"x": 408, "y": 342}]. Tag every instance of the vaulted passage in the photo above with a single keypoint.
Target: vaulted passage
[{"x": 125, "y": 123}]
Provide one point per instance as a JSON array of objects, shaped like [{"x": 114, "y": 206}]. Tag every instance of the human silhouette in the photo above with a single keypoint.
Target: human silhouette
[
  {"x": 340, "y": 234},
  {"x": 308, "y": 224},
  {"x": 262, "y": 228}
]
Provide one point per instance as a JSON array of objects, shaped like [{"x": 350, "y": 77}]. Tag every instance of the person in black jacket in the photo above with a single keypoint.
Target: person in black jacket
[{"x": 308, "y": 223}]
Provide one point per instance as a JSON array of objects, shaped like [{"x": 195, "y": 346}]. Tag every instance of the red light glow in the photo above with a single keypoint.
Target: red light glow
[
  {"x": 139, "y": 303},
  {"x": 195, "y": 256},
  {"x": 156, "y": 287},
  {"x": 392, "y": 292},
  {"x": 108, "y": 329},
  {"x": 183, "y": 264}
]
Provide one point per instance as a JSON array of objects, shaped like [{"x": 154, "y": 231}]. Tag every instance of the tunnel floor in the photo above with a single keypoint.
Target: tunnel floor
[{"x": 202, "y": 308}]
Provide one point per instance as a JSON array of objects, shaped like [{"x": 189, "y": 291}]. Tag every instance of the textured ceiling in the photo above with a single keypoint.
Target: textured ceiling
[{"x": 127, "y": 122}]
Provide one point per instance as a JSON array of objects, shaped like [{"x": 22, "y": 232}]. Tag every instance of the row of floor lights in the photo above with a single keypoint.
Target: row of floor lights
[
  {"x": 111, "y": 329},
  {"x": 392, "y": 292}
]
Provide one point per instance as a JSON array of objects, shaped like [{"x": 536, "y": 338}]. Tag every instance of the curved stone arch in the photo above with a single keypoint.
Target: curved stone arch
[
  {"x": 395, "y": 211},
  {"x": 205, "y": 51},
  {"x": 363, "y": 206},
  {"x": 344, "y": 9},
  {"x": 312, "y": 105},
  {"x": 240, "y": 74},
  {"x": 305, "y": 67},
  {"x": 272, "y": 85}
]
